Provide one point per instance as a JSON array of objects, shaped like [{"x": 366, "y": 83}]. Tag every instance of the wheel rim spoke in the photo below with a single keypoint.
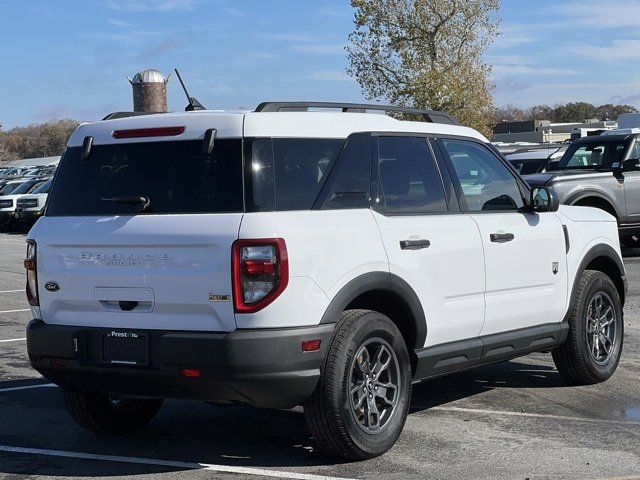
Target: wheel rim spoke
[
  {"x": 601, "y": 327},
  {"x": 374, "y": 385}
]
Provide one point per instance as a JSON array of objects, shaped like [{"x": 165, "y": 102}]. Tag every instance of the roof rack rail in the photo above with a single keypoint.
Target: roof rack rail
[
  {"x": 431, "y": 116},
  {"x": 115, "y": 115}
]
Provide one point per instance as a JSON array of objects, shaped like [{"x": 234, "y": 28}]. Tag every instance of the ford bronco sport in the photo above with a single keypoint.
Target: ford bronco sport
[
  {"x": 298, "y": 255},
  {"x": 601, "y": 171}
]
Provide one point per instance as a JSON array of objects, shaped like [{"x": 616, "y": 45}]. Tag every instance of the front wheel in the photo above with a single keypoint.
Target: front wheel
[
  {"x": 592, "y": 350},
  {"x": 361, "y": 401},
  {"x": 105, "y": 414}
]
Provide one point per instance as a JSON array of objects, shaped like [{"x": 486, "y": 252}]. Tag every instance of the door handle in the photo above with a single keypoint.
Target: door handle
[
  {"x": 501, "y": 237},
  {"x": 414, "y": 244}
]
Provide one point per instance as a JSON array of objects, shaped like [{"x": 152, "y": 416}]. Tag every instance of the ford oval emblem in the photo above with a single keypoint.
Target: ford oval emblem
[{"x": 52, "y": 286}]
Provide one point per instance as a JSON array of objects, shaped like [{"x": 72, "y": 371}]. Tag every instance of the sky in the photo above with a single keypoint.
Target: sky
[{"x": 70, "y": 59}]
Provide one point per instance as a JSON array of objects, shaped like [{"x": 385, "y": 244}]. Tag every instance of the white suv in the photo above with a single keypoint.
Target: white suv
[{"x": 297, "y": 255}]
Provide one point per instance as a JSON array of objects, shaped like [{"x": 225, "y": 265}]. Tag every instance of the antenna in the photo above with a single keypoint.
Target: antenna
[{"x": 193, "y": 103}]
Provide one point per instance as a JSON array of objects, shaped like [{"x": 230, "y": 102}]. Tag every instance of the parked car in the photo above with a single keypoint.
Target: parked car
[
  {"x": 30, "y": 207},
  {"x": 277, "y": 258},
  {"x": 535, "y": 160},
  {"x": 603, "y": 172},
  {"x": 8, "y": 202}
]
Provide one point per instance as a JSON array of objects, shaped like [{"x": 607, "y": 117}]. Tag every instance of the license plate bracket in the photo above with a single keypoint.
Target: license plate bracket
[{"x": 125, "y": 348}]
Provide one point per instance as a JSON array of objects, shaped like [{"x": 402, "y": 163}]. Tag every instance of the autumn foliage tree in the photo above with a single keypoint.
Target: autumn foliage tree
[
  {"x": 36, "y": 140},
  {"x": 426, "y": 54}
]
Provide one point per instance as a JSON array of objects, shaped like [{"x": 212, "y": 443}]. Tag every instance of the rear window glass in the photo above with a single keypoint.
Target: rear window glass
[
  {"x": 288, "y": 173},
  {"x": 174, "y": 176}
]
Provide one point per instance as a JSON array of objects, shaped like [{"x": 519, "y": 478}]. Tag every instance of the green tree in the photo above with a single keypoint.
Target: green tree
[
  {"x": 575, "y": 112},
  {"x": 426, "y": 54},
  {"x": 612, "y": 112}
]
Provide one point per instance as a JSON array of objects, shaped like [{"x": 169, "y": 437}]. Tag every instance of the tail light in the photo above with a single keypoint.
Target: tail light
[
  {"x": 260, "y": 273},
  {"x": 30, "y": 263}
]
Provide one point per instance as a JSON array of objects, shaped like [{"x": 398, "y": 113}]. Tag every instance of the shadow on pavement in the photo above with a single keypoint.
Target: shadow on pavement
[{"x": 197, "y": 432}]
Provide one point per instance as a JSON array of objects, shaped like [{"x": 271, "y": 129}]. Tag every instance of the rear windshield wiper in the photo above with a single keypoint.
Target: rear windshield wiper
[{"x": 145, "y": 202}]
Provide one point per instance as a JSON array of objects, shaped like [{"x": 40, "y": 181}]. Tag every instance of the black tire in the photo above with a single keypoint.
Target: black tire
[
  {"x": 631, "y": 241},
  {"x": 100, "y": 413},
  {"x": 575, "y": 359},
  {"x": 331, "y": 414}
]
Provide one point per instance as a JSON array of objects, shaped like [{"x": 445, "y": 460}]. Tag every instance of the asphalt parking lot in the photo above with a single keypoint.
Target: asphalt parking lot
[{"x": 512, "y": 420}]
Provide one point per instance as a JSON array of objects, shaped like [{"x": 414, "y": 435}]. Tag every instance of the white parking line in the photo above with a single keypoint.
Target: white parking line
[
  {"x": 482, "y": 411},
  {"x": 12, "y": 291},
  {"x": 13, "y": 340},
  {"x": 27, "y": 387},
  {"x": 16, "y": 311},
  {"x": 169, "y": 463}
]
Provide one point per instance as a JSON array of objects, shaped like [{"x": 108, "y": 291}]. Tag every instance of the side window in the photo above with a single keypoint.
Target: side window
[
  {"x": 287, "y": 173},
  {"x": 635, "y": 153},
  {"x": 486, "y": 183},
  {"x": 409, "y": 179},
  {"x": 350, "y": 181},
  {"x": 301, "y": 168}
]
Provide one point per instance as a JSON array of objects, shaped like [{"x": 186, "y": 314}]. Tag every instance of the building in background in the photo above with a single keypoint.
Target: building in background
[{"x": 545, "y": 131}]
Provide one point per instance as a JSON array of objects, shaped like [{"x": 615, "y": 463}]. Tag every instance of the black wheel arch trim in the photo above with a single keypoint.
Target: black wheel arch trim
[
  {"x": 584, "y": 194},
  {"x": 600, "y": 250},
  {"x": 375, "y": 281}
]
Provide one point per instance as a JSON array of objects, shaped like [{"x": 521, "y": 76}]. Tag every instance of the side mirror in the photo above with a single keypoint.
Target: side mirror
[
  {"x": 631, "y": 165},
  {"x": 543, "y": 199}
]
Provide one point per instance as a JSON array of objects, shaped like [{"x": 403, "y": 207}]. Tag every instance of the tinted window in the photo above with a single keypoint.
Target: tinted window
[
  {"x": 526, "y": 167},
  {"x": 43, "y": 188},
  {"x": 25, "y": 187},
  {"x": 175, "y": 176},
  {"x": 288, "y": 173},
  {"x": 486, "y": 183},
  {"x": 350, "y": 180},
  {"x": 409, "y": 179},
  {"x": 594, "y": 155},
  {"x": 9, "y": 188}
]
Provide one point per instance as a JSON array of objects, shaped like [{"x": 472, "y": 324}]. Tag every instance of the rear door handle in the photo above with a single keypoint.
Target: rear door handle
[
  {"x": 501, "y": 237},
  {"x": 414, "y": 244}
]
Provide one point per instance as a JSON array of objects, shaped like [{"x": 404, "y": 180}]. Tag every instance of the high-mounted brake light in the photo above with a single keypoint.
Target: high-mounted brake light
[
  {"x": 260, "y": 272},
  {"x": 148, "y": 132},
  {"x": 31, "y": 264}
]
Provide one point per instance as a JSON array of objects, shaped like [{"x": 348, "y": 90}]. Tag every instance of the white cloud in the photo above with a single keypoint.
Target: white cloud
[
  {"x": 336, "y": 12},
  {"x": 599, "y": 14},
  {"x": 622, "y": 49},
  {"x": 324, "y": 49},
  {"x": 152, "y": 5},
  {"x": 503, "y": 70},
  {"x": 330, "y": 76},
  {"x": 118, "y": 23}
]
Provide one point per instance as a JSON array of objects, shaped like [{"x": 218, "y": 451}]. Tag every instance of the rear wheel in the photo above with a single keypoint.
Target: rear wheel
[
  {"x": 592, "y": 350},
  {"x": 360, "y": 405},
  {"x": 105, "y": 414}
]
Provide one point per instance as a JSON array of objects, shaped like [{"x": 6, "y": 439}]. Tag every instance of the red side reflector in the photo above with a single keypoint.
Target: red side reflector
[
  {"x": 57, "y": 365},
  {"x": 311, "y": 345},
  {"x": 189, "y": 372},
  {"x": 148, "y": 132}
]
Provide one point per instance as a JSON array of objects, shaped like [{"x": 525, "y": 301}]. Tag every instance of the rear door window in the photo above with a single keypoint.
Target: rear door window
[
  {"x": 175, "y": 176},
  {"x": 410, "y": 182}
]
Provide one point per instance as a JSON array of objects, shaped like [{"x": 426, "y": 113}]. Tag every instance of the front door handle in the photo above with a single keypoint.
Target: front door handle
[
  {"x": 501, "y": 237},
  {"x": 414, "y": 244}
]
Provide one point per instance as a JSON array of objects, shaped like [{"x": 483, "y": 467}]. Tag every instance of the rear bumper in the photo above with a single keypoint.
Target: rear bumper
[{"x": 265, "y": 368}]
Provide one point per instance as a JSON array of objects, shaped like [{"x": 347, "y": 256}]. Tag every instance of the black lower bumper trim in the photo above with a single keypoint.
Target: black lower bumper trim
[{"x": 265, "y": 368}]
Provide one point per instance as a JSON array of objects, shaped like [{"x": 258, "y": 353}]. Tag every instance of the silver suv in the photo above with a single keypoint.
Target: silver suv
[{"x": 604, "y": 172}]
